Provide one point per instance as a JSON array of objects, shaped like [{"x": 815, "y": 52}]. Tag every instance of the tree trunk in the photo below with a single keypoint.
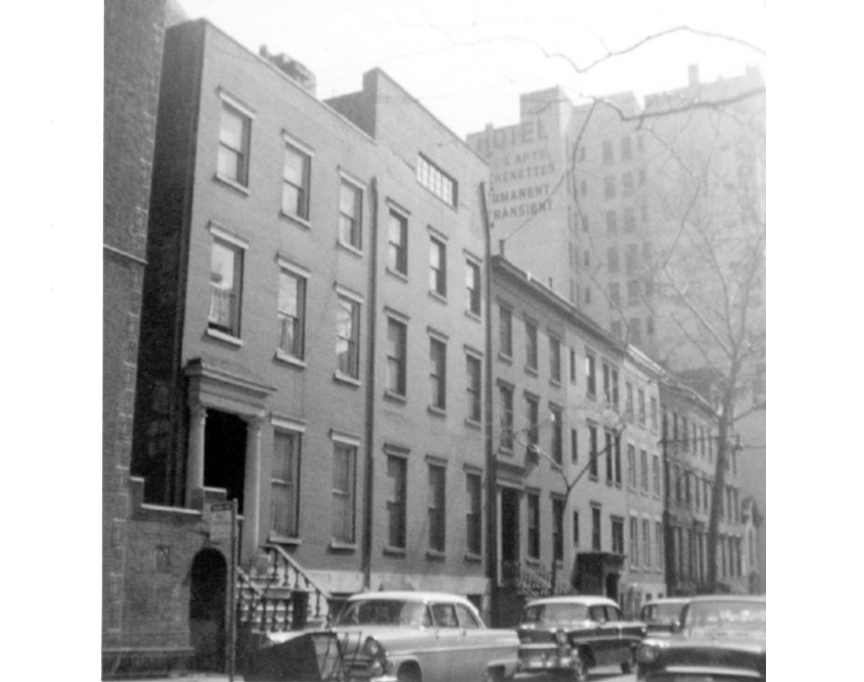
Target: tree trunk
[{"x": 719, "y": 487}]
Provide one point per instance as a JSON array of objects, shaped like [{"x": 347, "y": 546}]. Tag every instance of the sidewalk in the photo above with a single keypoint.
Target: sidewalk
[{"x": 187, "y": 677}]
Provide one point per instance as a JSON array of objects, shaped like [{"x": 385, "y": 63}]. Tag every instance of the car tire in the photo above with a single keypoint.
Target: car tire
[
  {"x": 409, "y": 673},
  {"x": 630, "y": 665},
  {"x": 494, "y": 675}
]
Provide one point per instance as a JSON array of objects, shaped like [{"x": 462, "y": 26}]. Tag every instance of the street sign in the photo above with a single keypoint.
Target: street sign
[{"x": 220, "y": 520}]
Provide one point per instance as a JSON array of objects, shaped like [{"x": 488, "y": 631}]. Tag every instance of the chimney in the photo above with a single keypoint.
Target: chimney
[
  {"x": 295, "y": 70},
  {"x": 693, "y": 75}
]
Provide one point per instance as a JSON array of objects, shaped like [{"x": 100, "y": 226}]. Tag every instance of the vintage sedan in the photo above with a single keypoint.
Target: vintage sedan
[
  {"x": 573, "y": 634},
  {"x": 663, "y": 615},
  {"x": 394, "y": 637},
  {"x": 720, "y": 639}
]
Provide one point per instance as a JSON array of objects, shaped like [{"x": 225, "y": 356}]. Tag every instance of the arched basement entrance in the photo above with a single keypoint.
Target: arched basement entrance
[{"x": 207, "y": 609}]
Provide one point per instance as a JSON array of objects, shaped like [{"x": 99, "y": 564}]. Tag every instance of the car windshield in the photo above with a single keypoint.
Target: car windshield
[
  {"x": 663, "y": 612},
  {"x": 384, "y": 612},
  {"x": 553, "y": 614},
  {"x": 726, "y": 615}
]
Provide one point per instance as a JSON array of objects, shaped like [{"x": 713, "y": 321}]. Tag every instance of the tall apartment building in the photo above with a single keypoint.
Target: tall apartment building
[
  {"x": 576, "y": 416},
  {"x": 313, "y": 343}
]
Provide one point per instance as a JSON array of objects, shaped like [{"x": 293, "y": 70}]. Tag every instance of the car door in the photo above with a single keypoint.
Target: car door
[
  {"x": 605, "y": 635},
  {"x": 478, "y": 645},
  {"x": 619, "y": 646},
  {"x": 449, "y": 644}
]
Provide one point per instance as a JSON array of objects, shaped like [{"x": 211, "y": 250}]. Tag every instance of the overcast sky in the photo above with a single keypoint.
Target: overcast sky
[{"x": 469, "y": 60}]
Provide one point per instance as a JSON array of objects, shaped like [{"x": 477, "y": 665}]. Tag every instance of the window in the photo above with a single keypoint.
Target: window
[
  {"x": 643, "y": 460},
  {"x": 655, "y": 468},
  {"x": 627, "y": 183},
  {"x": 610, "y": 457},
  {"x": 609, "y": 187},
  {"x": 629, "y": 219},
  {"x": 397, "y": 253},
  {"x": 611, "y": 222},
  {"x": 284, "y": 483},
  {"x": 618, "y": 461},
  {"x": 554, "y": 359},
  {"x": 612, "y": 261},
  {"x": 506, "y": 393},
  {"x": 348, "y": 337},
  {"x": 632, "y": 258},
  {"x": 473, "y": 367},
  {"x": 592, "y": 452},
  {"x": 631, "y": 466},
  {"x": 646, "y": 543},
  {"x": 658, "y": 542},
  {"x": 437, "y": 530},
  {"x": 438, "y": 373},
  {"x": 634, "y": 329},
  {"x": 587, "y": 294},
  {"x": 350, "y": 212},
  {"x": 628, "y": 401},
  {"x": 685, "y": 434},
  {"x": 653, "y": 404},
  {"x": 505, "y": 330},
  {"x": 472, "y": 283},
  {"x": 576, "y": 529},
  {"x": 633, "y": 292},
  {"x": 533, "y": 407},
  {"x": 608, "y": 156},
  {"x": 610, "y": 385},
  {"x": 557, "y": 434},
  {"x": 574, "y": 445},
  {"x": 533, "y": 501},
  {"x": 595, "y": 529},
  {"x": 617, "y": 535},
  {"x": 437, "y": 181},
  {"x": 233, "y": 160},
  {"x": 226, "y": 274},
  {"x": 295, "y": 183},
  {"x": 698, "y": 493},
  {"x": 474, "y": 519},
  {"x": 558, "y": 529},
  {"x": 344, "y": 473},
  {"x": 437, "y": 266},
  {"x": 634, "y": 541},
  {"x": 626, "y": 149},
  {"x": 531, "y": 355},
  {"x": 591, "y": 378},
  {"x": 572, "y": 366},
  {"x": 641, "y": 396},
  {"x": 292, "y": 313},
  {"x": 397, "y": 482},
  {"x": 397, "y": 334}
]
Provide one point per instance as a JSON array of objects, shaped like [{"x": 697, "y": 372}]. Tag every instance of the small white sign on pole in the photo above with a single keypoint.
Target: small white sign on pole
[{"x": 220, "y": 521}]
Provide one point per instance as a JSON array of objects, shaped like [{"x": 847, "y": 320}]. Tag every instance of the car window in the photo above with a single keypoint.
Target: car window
[
  {"x": 648, "y": 612},
  {"x": 466, "y": 618},
  {"x": 613, "y": 615},
  {"x": 444, "y": 615},
  {"x": 415, "y": 614},
  {"x": 598, "y": 613}
]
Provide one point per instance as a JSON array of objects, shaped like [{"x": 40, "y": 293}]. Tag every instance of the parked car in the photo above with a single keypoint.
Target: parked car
[
  {"x": 394, "y": 637},
  {"x": 573, "y": 634},
  {"x": 720, "y": 638},
  {"x": 663, "y": 615}
]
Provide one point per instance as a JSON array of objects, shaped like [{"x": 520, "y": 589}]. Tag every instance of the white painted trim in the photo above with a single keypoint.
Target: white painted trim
[
  {"x": 293, "y": 266},
  {"x": 351, "y": 178},
  {"x": 288, "y": 423},
  {"x": 348, "y": 293},
  {"x": 236, "y": 103},
  {"x": 289, "y": 139},
  {"x": 437, "y": 234},
  {"x": 345, "y": 438},
  {"x": 227, "y": 235}
]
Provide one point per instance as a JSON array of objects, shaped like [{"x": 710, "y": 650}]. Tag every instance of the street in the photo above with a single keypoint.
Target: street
[{"x": 609, "y": 673}]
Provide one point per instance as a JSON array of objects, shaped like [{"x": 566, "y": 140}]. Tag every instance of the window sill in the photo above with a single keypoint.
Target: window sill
[
  {"x": 337, "y": 546},
  {"x": 233, "y": 184},
  {"x": 403, "y": 276},
  {"x": 505, "y": 358},
  {"x": 282, "y": 356},
  {"x": 350, "y": 248},
  {"x": 531, "y": 370},
  {"x": 280, "y": 539},
  {"x": 394, "y": 551},
  {"x": 533, "y": 561},
  {"x": 507, "y": 452},
  {"x": 471, "y": 315},
  {"x": 618, "y": 484},
  {"x": 555, "y": 382},
  {"x": 297, "y": 220},
  {"x": 437, "y": 411},
  {"x": 436, "y": 296},
  {"x": 591, "y": 396},
  {"x": 471, "y": 558},
  {"x": 346, "y": 379},
  {"x": 435, "y": 555},
  {"x": 223, "y": 336},
  {"x": 394, "y": 397},
  {"x": 596, "y": 479},
  {"x": 473, "y": 424}
]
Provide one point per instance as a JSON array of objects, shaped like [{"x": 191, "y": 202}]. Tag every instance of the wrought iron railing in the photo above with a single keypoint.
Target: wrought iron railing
[{"x": 534, "y": 580}]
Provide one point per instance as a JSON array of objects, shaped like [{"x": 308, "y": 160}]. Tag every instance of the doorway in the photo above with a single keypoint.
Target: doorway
[
  {"x": 225, "y": 454},
  {"x": 612, "y": 585},
  {"x": 207, "y": 604},
  {"x": 509, "y": 524}
]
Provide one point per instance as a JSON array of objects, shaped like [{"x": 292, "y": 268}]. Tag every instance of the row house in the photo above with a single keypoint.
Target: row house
[
  {"x": 573, "y": 407},
  {"x": 312, "y": 341},
  {"x": 689, "y": 449}
]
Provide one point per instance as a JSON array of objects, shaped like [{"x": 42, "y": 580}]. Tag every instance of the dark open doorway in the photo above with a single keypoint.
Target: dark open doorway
[
  {"x": 509, "y": 524},
  {"x": 225, "y": 454},
  {"x": 207, "y": 603}
]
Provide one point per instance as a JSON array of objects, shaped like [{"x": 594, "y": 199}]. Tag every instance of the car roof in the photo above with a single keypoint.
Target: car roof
[
  {"x": 410, "y": 595},
  {"x": 728, "y": 597},
  {"x": 587, "y": 600},
  {"x": 667, "y": 600}
]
